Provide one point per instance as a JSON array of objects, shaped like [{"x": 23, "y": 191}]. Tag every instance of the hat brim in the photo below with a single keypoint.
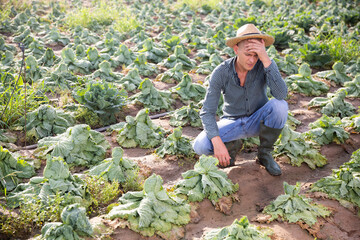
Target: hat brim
[{"x": 269, "y": 40}]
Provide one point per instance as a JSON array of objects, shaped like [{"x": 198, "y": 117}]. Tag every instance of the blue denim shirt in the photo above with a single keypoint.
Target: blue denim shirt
[{"x": 239, "y": 101}]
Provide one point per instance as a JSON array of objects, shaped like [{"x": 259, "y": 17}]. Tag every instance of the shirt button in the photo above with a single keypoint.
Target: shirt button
[{"x": 247, "y": 99}]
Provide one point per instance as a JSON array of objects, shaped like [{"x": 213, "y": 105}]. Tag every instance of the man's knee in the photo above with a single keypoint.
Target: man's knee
[
  {"x": 278, "y": 113},
  {"x": 201, "y": 145},
  {"x": 279, "y": 108}
]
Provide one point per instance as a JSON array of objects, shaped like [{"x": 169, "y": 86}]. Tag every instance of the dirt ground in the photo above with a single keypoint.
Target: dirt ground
[{"x": 258, "y": 188}]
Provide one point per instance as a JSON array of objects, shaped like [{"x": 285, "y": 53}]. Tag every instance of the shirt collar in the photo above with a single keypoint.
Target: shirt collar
[{"x": 233, "y": 62}]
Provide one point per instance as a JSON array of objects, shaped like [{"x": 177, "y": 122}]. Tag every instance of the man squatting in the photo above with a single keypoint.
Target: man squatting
[{"x": 247, "y": 111}]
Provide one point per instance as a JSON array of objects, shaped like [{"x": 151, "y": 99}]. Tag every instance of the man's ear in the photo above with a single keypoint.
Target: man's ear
[{"x": 236, "y": 48}]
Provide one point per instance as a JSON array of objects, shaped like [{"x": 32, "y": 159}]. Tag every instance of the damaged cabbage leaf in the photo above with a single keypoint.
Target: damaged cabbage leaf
[
  {"x": 75, "y": 223},
  {"x": 337, "y": 75},
  {"x": 102, "y": 98},
  {"x": 326, "y": 130},
  {"x": 179, "y": 56},
  {"x": 353, "y": 67},
  {"x": 131, "y": 81},
  {"x": 95, "y": 58},
  {"x": 46, "y": 121},
  {"x": 33, "y": 71},
  {"x": 172, "y": 75},
  {"x": 304, "y": 83},
  {"x": 334, "y": 104},
  {"x": 293, "y": 145},
  {"x": 49, "y": 58},
  {"x": 105, "y": 73},
  {"x": 124, "y": 56},
  {"x": 54, "y": 37},
  {"x": 189, "y": 91},
  {"x": 353, "y": 87},
  {"x": 140, "y": 131},
  {"x": 153, "y": 209},
  {"x": 152, "y": 52},
  {"x": 79, "y": 145},
  {"x": 74, "y": 65},
  {"x": 56, "y": 179},
  {"x": 352, "y": 122},
  {"x": 116, "y": 168},
  {"x": 293, "y": 207},
  {"x": 186, "y": 115},
  {"x": 239, "y": 229},
  {"x": 205, "y": 181},
  {"x": 206, "y": 67},
  {"x": 11, "y": 169},
  {"x": 145, "y": 68},
  {"x": 288, "y": 65},
  {"x": 153, "y": 99},
  {"x": 343, "y": 183},
  {"x": 61, "y": 78},
  {"x": 176, "y": 144}
]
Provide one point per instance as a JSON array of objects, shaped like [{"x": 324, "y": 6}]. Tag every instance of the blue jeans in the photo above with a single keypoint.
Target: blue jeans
[{"x": 274, "y": 114}]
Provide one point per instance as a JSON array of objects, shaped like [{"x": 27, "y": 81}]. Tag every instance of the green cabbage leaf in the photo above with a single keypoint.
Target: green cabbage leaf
[
  {"x": 205, "y": 181},
  {"x": 79, "y": 145},
  {"x": 116, "y": 168},
  {"x": 293, "y": 207},
  {"x": 153, "y": 209}
]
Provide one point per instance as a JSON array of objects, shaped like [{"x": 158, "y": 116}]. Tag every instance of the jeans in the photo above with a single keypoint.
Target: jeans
[{"x": 273, "y": 114}]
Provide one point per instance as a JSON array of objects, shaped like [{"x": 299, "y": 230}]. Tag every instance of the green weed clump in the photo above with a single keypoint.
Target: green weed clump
[
  {"x": 16, "y": 103},
  {"x": 103, "y": 14},
  {"x": 30, "y": 216},
  {"x": 198, "y": 4},
  {"x": 342, "y": 49},
  {"x": 134, "y": 182},
  {"x": 101, "y": 191}
]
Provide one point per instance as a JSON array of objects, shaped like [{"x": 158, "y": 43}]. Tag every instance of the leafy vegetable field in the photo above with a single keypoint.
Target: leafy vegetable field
[{"x": 100, "y": 100}]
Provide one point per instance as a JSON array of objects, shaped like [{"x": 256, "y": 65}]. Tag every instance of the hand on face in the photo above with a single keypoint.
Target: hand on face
[{"x": 258, "y": 47}]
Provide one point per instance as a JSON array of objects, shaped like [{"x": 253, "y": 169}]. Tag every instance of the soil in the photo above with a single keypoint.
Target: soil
[{"x": 258, "y": 188}]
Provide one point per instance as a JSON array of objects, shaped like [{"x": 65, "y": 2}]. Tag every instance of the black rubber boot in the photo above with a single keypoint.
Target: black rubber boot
[
  {"x": 268, "y": 137},
  {"x": 233, "y": 148}
]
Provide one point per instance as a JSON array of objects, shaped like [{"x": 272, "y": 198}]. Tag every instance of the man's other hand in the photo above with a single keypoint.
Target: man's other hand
[{"x": 220, "y": 151}]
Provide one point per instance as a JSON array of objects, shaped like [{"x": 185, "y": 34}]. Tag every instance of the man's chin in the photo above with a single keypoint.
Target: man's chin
[{"x": 249, "y": 67}]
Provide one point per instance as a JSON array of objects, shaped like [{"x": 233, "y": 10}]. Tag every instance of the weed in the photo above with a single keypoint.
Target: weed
[
  {"x": 31, "y": 215},
  {"x": 85, "y": 115},
  {"x": 125, "y": 23},
  {"x": 16, "y": 105},
  {"x": 133, "y": 181},
  {"x": 197, "y": 4},
  {"x": 101, "y": 192},
  {"x": 342, "y": 49},
  {"x": 103, "y": 14}
]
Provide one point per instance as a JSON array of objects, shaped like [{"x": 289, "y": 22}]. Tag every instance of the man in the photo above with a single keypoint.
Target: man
[{"x": 243, "y": 81}]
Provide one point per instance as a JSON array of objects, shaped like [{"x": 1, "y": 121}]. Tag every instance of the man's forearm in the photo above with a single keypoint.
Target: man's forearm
[{"x": 276, "y": 83}]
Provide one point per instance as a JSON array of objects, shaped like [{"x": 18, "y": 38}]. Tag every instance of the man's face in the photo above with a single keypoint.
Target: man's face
[{"x": 246, "y": 60}]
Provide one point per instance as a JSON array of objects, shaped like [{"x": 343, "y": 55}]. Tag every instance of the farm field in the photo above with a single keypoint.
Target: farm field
[{"x": 100, "y": 100}]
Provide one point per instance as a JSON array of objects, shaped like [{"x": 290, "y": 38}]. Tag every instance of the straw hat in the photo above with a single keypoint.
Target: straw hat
[{"x": 249, "y": 31}]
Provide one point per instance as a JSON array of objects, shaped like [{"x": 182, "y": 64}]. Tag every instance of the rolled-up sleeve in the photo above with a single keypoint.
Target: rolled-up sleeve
[
  {"x": 210, "y": 105},
  {"x": 275, "y": 82}
]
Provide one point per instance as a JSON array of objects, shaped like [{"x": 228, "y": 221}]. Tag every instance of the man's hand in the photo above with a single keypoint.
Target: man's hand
[
  {"x": 258, "y": 46},
  {"x": 220, "y": 151}
]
